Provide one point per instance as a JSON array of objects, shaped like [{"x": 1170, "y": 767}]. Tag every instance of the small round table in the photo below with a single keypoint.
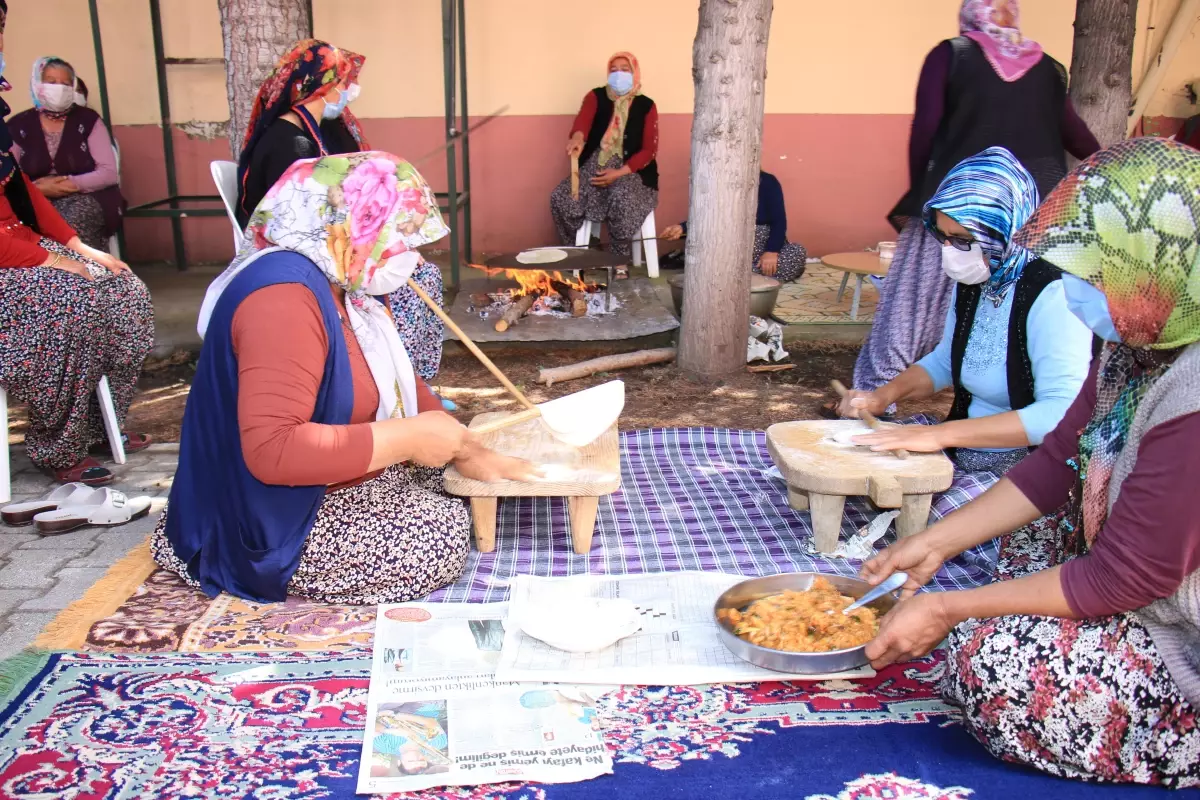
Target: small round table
[{"x": 860, "y": 264}]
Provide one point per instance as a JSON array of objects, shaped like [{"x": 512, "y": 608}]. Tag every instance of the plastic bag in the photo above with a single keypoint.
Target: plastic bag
[
  {"x": 861, "y": 545},
  {"x": 765, "y": 342}
]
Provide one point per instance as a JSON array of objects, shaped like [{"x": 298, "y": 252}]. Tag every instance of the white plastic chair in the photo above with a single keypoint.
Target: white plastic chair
[
  {"x": 114, "y": 244},
  {"x": 648, "y": 234},
  {"x": 107, "y": 410},
  {"x": 224, "y": 175}
]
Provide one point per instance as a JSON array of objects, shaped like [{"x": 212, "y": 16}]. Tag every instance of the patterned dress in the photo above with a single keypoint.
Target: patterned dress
[
  {"x": 59, "y": 334},
  {"x": 81, "y": 210},
  {"x": 421, "y": 330},
  {"x": 394, "y": 538},
  {"x": 792, "y": 257},
  {"x": 624, "y": 205}
]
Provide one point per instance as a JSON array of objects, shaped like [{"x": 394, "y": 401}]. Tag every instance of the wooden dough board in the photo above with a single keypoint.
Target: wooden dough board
[
  {"x": 811, "y": 461},
  {"x": 591, "y": 471}
]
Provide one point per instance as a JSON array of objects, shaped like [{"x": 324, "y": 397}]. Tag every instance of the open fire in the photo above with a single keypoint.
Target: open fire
[{"x": 538, "y": 292}]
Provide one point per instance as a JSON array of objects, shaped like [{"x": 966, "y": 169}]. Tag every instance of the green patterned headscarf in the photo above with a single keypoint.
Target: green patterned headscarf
[{"x": 1127, "y": 220}]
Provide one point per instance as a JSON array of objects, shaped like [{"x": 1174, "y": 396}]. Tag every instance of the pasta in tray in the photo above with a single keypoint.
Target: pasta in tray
[{"x": 801, "y": 622}]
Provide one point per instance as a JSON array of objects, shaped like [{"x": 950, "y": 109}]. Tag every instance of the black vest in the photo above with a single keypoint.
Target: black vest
[
  {"x": 635, "y": 129},
  {"x": 983, "y": 110},
  {"x": 1036, "y": 276}
]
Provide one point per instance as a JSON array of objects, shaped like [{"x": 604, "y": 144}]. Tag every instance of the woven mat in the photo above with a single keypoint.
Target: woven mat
[{"x": 692, "y": 499}]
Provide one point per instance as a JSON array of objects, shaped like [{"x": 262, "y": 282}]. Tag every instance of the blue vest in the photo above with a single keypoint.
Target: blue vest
[{"x": 234, "y": 532}]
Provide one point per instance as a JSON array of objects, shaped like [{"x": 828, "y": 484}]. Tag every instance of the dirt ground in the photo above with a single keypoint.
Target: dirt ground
[{"x": 656, "y": 396}]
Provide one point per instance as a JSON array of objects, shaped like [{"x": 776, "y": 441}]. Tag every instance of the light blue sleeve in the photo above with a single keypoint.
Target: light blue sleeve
[
  {"x": 1060, "y": 349},
  {"x": 937, "y": 363}
]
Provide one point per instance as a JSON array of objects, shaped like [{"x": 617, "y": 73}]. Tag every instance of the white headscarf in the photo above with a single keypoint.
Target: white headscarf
[{"x": 359, "y": 218}]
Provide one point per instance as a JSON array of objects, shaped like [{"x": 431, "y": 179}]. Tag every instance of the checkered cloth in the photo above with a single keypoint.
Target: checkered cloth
[{"x": 690, "y": 499}]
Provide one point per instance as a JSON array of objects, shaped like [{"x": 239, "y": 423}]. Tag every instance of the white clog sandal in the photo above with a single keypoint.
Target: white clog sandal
[
  {"x": 104, "y": 508},
  {"x": 62, "y": 497}
]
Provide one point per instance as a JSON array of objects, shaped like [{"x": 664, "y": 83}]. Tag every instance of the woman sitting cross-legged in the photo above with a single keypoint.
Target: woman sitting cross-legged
[
  {"x": 66, "y": 150},
  {"x": 311, "y": 454},
  {"x": 615, "y": 137},
  {"x": 1083, "y": 661},
  {"x": 1011, "y": 349},
  {"x": 774, "y": 256}
]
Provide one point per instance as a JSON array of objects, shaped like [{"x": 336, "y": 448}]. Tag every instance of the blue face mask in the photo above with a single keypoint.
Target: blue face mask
[
  {"x": 1091, "y": 306},
  {"x": 334, "y": 110},
  {"x": 620, "y": 82},
  {"x": 1, "y": 64}
]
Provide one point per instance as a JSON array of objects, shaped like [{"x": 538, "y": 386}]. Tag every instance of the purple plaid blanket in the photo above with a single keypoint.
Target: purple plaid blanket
[{"x": 691, "y": 499}]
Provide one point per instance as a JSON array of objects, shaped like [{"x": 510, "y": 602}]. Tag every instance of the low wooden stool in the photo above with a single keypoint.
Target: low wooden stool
[
  {"x": 821, "y": 473},
  {"x": 581, "y": 474}
]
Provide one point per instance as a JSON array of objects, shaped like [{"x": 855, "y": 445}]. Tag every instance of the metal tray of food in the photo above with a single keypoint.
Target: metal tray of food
[{"x": 746, "y": 592}]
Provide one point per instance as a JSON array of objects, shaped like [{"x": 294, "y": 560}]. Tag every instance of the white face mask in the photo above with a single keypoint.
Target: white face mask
[
  {"x": 80, "y": 100},
  {"x": 965, "y": 266},
  {"x": 56, "y": 97}
]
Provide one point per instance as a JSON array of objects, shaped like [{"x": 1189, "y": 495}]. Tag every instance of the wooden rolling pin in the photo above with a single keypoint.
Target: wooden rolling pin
[
  {"x": 866, "y": 416},
  {"x": 574, "y": 177}
]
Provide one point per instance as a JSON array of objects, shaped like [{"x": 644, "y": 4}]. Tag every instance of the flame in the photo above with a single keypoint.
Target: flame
[{"x": 536, "y": 281}]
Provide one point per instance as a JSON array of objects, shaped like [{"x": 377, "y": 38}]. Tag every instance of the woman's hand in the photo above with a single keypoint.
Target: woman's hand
[
  {"x": 673, "y": 233},
  {"x": 575, "y": 145},
  {"x": 55, "y": 186},
  {"x": 915, "y": 555},
  {"x": 58, "y": 261},
  {"x": 481, "y": 464},
  {"x": 607, "y": 177},
  {"x": 916, "y": 438},
  {"x": 910, "y": 630},
  {"x": 768, "y": 263},
  {"x": 109, "y": 262},
  {"x": 434, "y": 438},
  {"x": 857, "y": 400}
]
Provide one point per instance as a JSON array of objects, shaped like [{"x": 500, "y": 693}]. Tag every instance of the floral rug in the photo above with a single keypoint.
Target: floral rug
[{"x": 289, "y": 725}]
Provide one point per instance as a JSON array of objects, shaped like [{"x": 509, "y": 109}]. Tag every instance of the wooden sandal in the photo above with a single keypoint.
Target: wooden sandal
[
  {"x": 134, "y": 443},
  {"x": 64, "y": 496},
  {"x": 104, "y": 508}
]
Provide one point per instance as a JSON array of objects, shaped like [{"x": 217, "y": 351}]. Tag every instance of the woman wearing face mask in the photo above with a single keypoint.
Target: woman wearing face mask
[
  {"x": 1014, "y": 354},
  {"x": 67, "y": 152},
  {"x": 989, "y": 87},
  {"x": 1082, "y": 661},
  {"x": 311, "y": 455},
  {"x": 302, "y": 111},
  {"x": 615, "y": 137}
]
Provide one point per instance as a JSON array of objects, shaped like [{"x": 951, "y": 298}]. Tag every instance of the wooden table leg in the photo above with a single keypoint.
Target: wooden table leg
[
  {"x": 483, "y": 517},
  {"x": 582, "y": 511},
  {"x": 914, "y": 514},
  {"x": 798, "y": 499},
  {"x": 826, "y": 519}
]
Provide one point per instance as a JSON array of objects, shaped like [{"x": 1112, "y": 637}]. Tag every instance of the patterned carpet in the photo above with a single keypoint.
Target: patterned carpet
[{"x": 812, "y": 300}]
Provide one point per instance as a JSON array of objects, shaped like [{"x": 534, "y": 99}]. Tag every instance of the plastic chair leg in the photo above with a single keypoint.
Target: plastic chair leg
[
  {"x": 111, "y": 426},
  {"x": 5, "y": 478}
]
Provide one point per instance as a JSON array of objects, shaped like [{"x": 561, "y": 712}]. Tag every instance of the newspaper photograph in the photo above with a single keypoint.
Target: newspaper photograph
[
  {"x": 678, "y": 643},
  {"x": 437, "y": 716}
]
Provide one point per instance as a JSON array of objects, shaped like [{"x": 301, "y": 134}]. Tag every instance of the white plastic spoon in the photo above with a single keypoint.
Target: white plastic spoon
[{"x": 890, "y": 585}]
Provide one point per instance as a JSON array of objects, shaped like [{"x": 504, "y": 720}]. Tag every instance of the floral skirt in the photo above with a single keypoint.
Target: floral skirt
[
  {"x": 394, "y": 538},
  {"x": 1084, "y": 699},
  {"x": 420, "y": 329},
  {"x": 623, "y": 205},
  {"x": 59, "y": 334},
  {"x": 792, "y": 258},
  {"x": 83, "y": 212}
]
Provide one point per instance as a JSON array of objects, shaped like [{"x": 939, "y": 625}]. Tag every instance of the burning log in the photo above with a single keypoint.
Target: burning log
[
  {"x": 576, "y": 298},
  {"x": 481, "y": 299},
  {"x": 519, "y": 308}
]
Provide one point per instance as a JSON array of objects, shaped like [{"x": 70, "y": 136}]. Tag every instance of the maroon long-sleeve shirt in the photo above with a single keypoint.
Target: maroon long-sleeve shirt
[
  {"x": 1151, "y": 540},
  {"x": 638, "y": 161},
  {"x": 931, "y": 104}
]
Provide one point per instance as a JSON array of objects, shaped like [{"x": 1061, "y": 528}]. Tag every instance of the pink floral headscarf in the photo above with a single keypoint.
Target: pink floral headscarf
[
  {"x": 359, "y": 218},
  {"x": 996, "y": 26}
]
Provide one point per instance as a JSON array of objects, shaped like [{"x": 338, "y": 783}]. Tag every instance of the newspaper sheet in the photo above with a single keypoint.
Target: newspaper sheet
[
  {"x": 437, "y": 716},
  {"x": 678, "y": 644}
]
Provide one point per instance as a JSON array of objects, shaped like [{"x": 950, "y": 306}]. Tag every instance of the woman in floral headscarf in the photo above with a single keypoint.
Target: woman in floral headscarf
[
  {"x": 615, "y": 138},
  {"x": 311, "y": 454},
  {"x": 301, "y": 111},
  {"x": 1082, "y": 662},
  {"x": 989, "y": 87}
]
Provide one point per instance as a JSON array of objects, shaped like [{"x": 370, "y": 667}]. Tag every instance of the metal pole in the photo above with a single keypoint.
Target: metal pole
[
  {"x": 101, "y": 76},
  {"x": 466, "y": 122},
  {"x": 164, "y": 109},
  {"x": 450, "y": 60},
  {"x": 312, "y": 23}
]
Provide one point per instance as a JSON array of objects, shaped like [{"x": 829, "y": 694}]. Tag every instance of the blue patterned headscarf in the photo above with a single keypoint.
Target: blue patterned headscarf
[{"x": 992, "y": 196}]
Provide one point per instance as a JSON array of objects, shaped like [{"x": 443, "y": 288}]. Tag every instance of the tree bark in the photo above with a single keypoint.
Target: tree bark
[
  {"x": 256, "y": 34},
  {"x": 583, "y": 369},
  {"x": 1102, "y": 66},
  {"x": 729, "y": 68}
]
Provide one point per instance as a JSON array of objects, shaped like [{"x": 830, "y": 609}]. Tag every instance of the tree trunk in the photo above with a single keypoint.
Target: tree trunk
[
  {"x": 729, "y": 68},
  {"x": 1102, "y": 66},
  {"x": 256, "y": 34}
]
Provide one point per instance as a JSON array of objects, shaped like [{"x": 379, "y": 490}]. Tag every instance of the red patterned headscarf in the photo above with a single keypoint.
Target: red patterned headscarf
[{"x": 995, "y": 25}]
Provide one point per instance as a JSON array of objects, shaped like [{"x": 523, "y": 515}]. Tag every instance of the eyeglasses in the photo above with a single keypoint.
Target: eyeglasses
[{"x": 963, "y": 243}]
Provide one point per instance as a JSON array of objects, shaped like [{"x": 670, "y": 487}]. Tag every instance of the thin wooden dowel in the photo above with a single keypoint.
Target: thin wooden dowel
[
  {"x": 466, "y": 340},
  {"x": 867, "y": 416}
]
